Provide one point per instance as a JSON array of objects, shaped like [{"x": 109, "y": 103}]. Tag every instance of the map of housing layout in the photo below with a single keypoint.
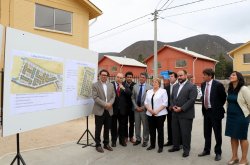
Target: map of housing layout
[
  {"x": 34, "y": 76},
  {"x": 86, "y": 77}
]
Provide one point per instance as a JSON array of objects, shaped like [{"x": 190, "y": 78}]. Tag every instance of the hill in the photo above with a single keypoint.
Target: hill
[{"x": 208, "y": 45}]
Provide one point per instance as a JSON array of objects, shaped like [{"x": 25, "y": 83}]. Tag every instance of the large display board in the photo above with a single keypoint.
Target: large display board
[{"x": 45, "y": 82}]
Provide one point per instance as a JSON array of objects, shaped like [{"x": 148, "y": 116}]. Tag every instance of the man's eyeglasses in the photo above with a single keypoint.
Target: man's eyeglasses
[{"x": 104, "y": 75}]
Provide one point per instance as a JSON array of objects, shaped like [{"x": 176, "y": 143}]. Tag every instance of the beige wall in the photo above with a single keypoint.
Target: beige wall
[{"x": 238, "y": 59}]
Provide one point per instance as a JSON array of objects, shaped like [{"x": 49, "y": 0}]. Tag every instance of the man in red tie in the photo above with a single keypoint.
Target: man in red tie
[
  {"x": 214, "y": 98},
  {"x": 120, "y": 110}
]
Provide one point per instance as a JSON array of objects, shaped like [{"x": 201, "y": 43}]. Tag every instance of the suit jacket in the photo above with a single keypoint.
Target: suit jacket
[
  {"x": 100, "y": 99},
  {"x": 129, "y": 100},
  {"x": 120, "y": 105},
  {"x": 135, "y": 93},
  {"x": 217, "y": 99},
  {"x": 168, "y": 92},
  {"x": 185, "y": 100}
]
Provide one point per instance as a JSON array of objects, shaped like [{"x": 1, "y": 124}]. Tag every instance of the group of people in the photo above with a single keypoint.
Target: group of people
[{"x": 121, "y": 102}]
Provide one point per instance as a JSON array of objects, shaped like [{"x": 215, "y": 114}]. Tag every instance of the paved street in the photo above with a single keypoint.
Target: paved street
[{"x": 72, "y": 154}]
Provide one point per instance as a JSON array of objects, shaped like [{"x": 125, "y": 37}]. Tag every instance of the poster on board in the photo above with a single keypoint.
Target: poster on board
[{"x": 45, "y": 85}]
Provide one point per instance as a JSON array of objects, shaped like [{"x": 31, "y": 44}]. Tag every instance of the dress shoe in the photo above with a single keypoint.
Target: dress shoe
[
  {"x": 144, "y": 144},
  {"x": 99, "y": 149},
  {"x": 136, "y": 143},
  {"x": 150, "y": 148},
  {"x": 204, "y": 153},
  {"x": 113, "y": 144},
  {"x": 184, "y": 155},
  {"x": 160, "y": 150},
  {"x": 235, "y": 161},
  {"x": 107, "y": 147},
  {"x": 173, "y": 149},
  {"x": 217, "y": 157},
  {"x": 124, "y": 144},
  {"x": 132, "y": 140},
  {"x": 168, "y": 144}
]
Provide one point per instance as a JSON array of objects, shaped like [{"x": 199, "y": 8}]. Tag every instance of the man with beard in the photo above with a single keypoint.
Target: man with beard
[{"x": 182, "y": 102}]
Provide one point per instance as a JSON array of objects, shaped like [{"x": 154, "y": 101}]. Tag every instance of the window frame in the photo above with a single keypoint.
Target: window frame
[
  {"x": 54, "y": 21},
  {"x": 180, "y": 66},
  {"x": 244, "y": 58}
]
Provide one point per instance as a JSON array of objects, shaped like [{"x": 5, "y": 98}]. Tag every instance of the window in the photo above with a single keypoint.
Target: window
[
  {"x": 53, "y": 19},
  {"x": 180, "y": 63},
  {"x": 114, "y": 68},
  {"x": 246, "y": 58}
]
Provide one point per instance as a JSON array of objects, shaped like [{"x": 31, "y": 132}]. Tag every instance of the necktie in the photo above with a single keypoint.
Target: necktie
[
  {"x": 139, "y": 96},
  {"x": 206, "y": 96},
  {"x": 118, "y": 90}
]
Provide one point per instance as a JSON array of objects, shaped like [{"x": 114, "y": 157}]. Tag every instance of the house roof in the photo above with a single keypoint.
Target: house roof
[
  {"x": 188, "y": 52},
  {"x": 231, "y": 53},
  {"x": 93, "y": 10},
  {"x": 125, "y": 61}
]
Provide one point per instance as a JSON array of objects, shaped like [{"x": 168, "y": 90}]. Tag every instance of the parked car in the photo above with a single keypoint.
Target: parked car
[{"x": 199, "y": 95}]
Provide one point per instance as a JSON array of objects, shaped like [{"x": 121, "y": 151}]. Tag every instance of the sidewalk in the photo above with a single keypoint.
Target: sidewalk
[{"x": 70, "y": 153}]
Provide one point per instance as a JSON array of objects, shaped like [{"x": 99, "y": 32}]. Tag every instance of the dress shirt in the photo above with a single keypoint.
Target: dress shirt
[
  {"x": 104, "y": 85},
  {"x": 160, "y": 98},
  {"x": 209, "y": 92},
  {"x": 180, "y": 87}
]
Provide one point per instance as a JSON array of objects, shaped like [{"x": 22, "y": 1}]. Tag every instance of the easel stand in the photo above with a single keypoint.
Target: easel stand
[
  {"x": 87, "y": 132},
  {"x": 18, "y": 156}
]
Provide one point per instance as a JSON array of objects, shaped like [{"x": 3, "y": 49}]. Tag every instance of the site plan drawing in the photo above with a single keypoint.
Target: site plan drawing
[{"x": 86, "y": 77}]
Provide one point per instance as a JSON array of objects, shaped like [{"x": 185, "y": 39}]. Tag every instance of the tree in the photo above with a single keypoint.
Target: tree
[
  {"x": 141, "y": 58},
  {"x": 223, "y": 69}
]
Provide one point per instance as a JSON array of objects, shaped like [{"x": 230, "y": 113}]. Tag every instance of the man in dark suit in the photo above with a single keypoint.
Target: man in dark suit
[
  {"x": 120, "y": 108},
  {"x": 213, "y": 100},
  {"x": 169, "y": 88},
  {"x": 104, "y": 96},
  {"x": 131, "y": 115},
  {"x": 182, "y": 103}
]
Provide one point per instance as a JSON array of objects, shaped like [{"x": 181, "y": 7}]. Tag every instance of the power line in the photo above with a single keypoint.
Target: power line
[
  {"x": 185, "y": 4},
  {"x": 164, "y": 4},
  {"x": 209, "y": 8},
  {"x": 120, "y": 25}
]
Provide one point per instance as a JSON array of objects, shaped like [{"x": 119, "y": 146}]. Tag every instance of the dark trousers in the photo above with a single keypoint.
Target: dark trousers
[
  {"x": 105, "y": 120},
  {"x": 182, "y": 129},
  {"x": 114, "y": 128},
  {"x": 156, "y": 123},
  {"x": 169, "y": 121},
  {"x": 215, "y": 124},
  {"x": 131, "y": 128},
  {"x": 123, "y": 127}
]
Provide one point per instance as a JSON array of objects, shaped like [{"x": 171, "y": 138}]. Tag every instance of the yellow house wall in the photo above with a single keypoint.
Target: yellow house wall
[
  {"x": 238, "y": 63},
  {"x": 20, "y": 14}
]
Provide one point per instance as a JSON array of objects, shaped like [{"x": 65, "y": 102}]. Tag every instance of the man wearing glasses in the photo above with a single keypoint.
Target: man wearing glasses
[{"x": 104, "y": 96}]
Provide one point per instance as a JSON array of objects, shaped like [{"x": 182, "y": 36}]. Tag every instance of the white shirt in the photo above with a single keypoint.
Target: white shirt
[
  {"x": 209, "y": 91},
  {"x": 104, "y": 85},
  {"x": 160, "y": 98},
  {"x": 180, "y": 87}
]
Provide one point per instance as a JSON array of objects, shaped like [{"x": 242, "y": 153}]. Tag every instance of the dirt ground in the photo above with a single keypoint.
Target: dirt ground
[{"x": 53, "y": 135}]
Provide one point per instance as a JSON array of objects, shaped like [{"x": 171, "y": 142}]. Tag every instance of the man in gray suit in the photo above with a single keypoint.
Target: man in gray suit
[
  {"x": 104, "y": 96},
  {"x": 138, "y": 98},
  {"x": 182, "y": 105}
]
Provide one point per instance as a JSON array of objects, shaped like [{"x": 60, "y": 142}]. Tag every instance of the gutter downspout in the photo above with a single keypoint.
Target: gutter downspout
[
  {"x": 194, "y": 70},
  {"x": 232, "y": 59},
  {"x": 121, "y": 68}
]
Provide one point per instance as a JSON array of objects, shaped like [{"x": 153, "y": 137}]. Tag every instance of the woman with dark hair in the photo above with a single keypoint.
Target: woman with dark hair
[{"x": 237, "y": 122}]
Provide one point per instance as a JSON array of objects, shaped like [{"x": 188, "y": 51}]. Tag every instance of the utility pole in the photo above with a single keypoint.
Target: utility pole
[{"x": 155, "y": 45}]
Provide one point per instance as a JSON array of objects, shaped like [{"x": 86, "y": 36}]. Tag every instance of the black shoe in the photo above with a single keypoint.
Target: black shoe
[
  {"x": 99, "y": 149},
  {"x": 204, "y": 153},
  {"x": 123, "y": 144},
  {"x": 184, "y": 155},
  {"x": 144, "y": 144},
  {"x": 136, "y": 143},
  {"x": 107, "y": 147},
  {"x": 160, "y": 150},
  {"x": 150, "y": 148},
  {"x": 113, "y": 144},
  {"x": 168, "y": 144},
  {"x": 173, "y": 149},
  {"x": 217, "y": 157}
]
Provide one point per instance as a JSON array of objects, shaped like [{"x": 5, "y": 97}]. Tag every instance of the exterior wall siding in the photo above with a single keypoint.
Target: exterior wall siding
[
  {"x": 238, "y": 63},
  {"x": 167, "y": 57}
]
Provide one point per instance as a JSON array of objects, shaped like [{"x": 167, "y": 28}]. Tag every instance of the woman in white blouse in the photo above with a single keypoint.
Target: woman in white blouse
[{"x": 156, "y": 102}]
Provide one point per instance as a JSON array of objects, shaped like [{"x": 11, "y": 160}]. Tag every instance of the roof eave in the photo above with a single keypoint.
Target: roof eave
[{"x": 94, "y": 11}]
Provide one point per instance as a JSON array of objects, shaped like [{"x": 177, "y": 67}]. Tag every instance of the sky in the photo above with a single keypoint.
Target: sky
[{"x": 231, "y": 22}]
